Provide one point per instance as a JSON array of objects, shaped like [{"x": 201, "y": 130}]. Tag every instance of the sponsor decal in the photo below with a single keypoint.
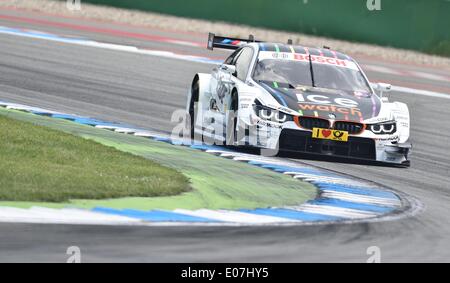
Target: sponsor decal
[
  {"x": 349, "y": 112},
  {"x": 328, "y": 134},
  {"x": 402, "y": 117},
  {"x": 315, "y": 103},
  {"x": 322, "y": 99},
  {"x": 233, "y": 42},
  {"x": 321, "y": 60},
  {"x": 378, "y": 120},
  {"x": 269, "y": 124},
  {"x": 245, "y": 99},
  {"x": 332, "y": 61},
  {"x": 280, "y": 55},
  {"x": 403, "y": 124},
  {"x": 389, "y": 139}
]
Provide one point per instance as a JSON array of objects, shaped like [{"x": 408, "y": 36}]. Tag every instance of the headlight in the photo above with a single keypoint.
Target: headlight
[
  {"x": 267, "y": 113},
  {"x": 383, "y": 128}
]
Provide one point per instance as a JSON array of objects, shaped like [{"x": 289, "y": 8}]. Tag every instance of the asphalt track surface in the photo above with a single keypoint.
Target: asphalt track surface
[{"x": 144, "y": 91}]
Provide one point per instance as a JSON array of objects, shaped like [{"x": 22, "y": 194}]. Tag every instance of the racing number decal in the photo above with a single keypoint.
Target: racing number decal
[{"x": 328, "y": 134}]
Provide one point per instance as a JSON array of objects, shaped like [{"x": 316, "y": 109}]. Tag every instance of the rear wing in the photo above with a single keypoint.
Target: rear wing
[{"x": 227, "y": 42}]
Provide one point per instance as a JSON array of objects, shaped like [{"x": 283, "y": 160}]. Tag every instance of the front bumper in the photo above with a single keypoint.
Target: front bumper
[
  {"x": 301, "y": 141},
  {"x": 295, "y": 139}
]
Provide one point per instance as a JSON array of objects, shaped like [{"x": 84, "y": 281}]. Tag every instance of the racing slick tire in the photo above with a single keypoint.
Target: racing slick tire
[
  {"x": 193, "y": 103},
  {"x": 231, "y": 130}
]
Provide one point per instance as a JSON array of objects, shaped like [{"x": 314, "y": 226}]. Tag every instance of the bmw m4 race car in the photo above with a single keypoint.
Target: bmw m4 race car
[{"x": 290, "y": 98}]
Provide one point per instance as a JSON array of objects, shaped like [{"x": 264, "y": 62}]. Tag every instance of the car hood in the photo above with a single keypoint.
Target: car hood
[{"x": 326, "y": 103}]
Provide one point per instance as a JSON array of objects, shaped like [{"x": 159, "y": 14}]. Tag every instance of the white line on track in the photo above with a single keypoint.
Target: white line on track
[
  {"x": 361, "y": 198},
  {"x": 233, "y": 216},
  {"x": 171, "y": 55},
  {"x": 106, "y": 127},
  {"x": 125, "y": 130},
  {"x": 381, "y": 69},
  {"x": 334, "y": 211},
  {"x": 109, "y": 46},
  {"x": 428, "y": 76},
  {"x": 61, "y": 216},
  {"x": 421, "y": 92}
]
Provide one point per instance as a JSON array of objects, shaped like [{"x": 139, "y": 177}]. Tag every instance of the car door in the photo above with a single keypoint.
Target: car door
[
  {"x": 217, "y": 83},
  {"x": 228, "y": 81}
]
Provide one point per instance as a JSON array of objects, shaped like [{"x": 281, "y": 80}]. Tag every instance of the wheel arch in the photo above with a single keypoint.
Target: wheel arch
[{"x": 204, "y": 83}]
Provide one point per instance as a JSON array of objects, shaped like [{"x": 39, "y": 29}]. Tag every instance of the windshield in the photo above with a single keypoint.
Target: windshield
[{"x": 298, "y": 73}]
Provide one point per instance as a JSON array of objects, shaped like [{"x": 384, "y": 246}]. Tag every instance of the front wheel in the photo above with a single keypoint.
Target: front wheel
[
  {"x": 232, "y": 120},
  {"x": 193, "y": 108}
]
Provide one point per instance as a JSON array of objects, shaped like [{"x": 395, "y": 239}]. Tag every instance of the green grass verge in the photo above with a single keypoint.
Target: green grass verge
[
  {"x": 41, "y": 164},
  {"x": 217, "y": 183}
]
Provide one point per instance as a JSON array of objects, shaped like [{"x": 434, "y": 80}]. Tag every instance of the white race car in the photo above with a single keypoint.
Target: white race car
[{"x": 284, "y": 97}]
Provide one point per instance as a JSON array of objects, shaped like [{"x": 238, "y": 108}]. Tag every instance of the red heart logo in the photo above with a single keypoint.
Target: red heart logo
[{"x": 326, "y": 133}]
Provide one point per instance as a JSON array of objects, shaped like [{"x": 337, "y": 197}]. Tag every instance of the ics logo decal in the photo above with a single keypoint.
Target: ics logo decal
[
  {"x": 322, "y": 103},
  {"x": 322, "y": 99}
]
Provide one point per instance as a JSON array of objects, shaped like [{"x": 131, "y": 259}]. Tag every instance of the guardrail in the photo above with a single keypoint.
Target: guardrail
[{"x": 412, "y": 24}]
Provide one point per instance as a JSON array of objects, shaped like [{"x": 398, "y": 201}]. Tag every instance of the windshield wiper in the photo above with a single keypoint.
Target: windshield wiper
[{"x": 311, "y": 70}]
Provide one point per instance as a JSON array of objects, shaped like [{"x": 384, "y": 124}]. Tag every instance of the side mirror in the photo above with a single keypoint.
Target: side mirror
[
  {"x": 231, "y": 69},
  {"x": 382, "y": 88}
]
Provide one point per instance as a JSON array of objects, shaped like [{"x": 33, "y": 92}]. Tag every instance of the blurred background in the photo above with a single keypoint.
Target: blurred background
[{"x": 421, "y": 25}]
